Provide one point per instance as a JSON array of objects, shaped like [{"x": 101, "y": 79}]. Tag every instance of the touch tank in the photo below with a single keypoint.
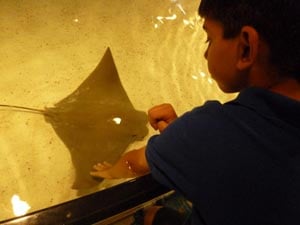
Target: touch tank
[{"x": 77, "y": 78}]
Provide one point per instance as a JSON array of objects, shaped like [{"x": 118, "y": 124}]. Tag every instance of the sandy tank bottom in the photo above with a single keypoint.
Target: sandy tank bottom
[{"x": 49, "y": 48}]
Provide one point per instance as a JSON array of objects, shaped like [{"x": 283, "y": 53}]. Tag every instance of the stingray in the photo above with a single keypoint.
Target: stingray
[{"x": 97, "y": 122}]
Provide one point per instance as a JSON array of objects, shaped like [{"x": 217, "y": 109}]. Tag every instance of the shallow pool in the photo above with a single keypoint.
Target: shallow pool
[{"x": 52, "y": 56}]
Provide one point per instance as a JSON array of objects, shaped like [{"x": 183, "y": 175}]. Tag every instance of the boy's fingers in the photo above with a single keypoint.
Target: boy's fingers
[
  {"x": 93, "y": 173},
  {"x": 101, "y": 174},
  {"x": 102, "y": 166},
  {"x": 98, "y": 166},
  {"x": 106, "y": 164},
  {"x": 161, "y": 125}
]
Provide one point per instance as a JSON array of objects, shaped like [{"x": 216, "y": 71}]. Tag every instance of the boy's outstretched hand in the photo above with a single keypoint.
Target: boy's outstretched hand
[
  {"x": 102, "y": 170},
  {"x": 131, "y": 164}
]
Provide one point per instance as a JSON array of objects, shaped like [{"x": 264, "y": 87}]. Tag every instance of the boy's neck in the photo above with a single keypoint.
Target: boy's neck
[
  {"x": 265, "y": 76},
  {"x": 288, "y": 87}
]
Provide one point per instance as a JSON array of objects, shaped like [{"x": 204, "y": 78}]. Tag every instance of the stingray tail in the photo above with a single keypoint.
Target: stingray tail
[{"x": 24, "y": 109}]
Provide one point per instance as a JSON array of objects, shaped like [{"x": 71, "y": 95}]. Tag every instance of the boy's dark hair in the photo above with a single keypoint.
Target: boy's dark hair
[{"x": 277, "y": 22}]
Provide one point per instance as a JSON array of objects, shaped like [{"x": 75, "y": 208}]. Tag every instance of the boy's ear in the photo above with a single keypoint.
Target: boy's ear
[{"x": 248, "y": 47}]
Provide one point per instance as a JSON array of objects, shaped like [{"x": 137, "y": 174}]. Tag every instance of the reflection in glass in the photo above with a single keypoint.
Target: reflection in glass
[{"x": 20, "y": 207}]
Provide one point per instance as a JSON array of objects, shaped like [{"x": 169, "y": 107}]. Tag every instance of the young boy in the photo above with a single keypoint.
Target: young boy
[{"x": 238, "y": 162}]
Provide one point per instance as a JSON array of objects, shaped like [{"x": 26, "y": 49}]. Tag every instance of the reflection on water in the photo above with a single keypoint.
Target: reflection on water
[
  {"x": 176, "y": 11},
  {"x": 49, "y": 47},
  {"x": 20, "y": 207}
]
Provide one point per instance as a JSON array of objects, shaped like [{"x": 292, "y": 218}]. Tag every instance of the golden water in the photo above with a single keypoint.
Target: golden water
[{"x": 47, "y": 48}]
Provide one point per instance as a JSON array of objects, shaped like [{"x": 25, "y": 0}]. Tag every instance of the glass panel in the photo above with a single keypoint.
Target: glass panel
[{"x": 77, "y": 78}]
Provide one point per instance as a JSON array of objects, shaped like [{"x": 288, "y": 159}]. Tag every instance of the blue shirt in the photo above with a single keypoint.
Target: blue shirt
[{"x": 238, "y": 162}]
